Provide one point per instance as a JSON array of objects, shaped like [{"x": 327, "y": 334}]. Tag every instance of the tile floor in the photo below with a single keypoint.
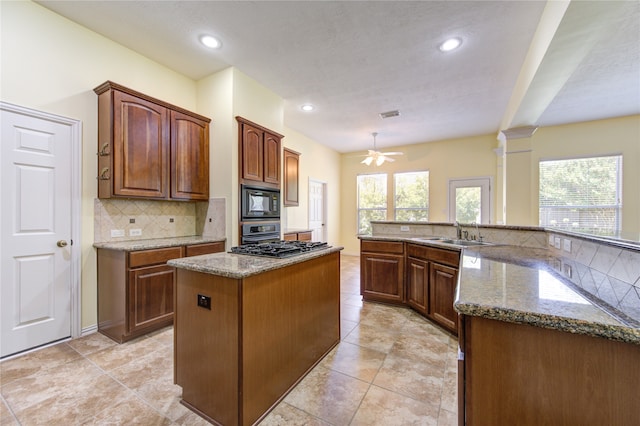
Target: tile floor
[{"x": 392, "y": 367}]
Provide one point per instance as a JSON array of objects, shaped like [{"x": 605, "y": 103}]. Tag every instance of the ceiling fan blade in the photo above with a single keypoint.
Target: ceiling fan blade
[
  {"x": 393, "y": 153},
  {"x": 391, "y": 160}
]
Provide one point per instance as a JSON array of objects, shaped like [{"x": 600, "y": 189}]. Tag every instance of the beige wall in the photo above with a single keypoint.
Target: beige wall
[
  {"x": 457, "y": 158},
  {"x": 322, "y": 164},
  {"x": 52, "y": 64}
]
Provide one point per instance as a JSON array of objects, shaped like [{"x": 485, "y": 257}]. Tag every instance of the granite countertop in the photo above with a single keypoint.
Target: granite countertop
[
  {"x": 519, "y": 285},
  {"x": 295, "y": 230},
  {"x": 155, "y": 243},
  {"x": 239, "y": 266}
]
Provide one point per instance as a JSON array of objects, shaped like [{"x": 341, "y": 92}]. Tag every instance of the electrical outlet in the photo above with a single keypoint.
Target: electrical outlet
[
  {"x": 135, "y": 232},
  {"x": 567, "y": 270},
  {"x": 117, "y": 233},
  {"x": 204, "y": 301},
  {"x": 556, "y": 243},
  {"x": 404, "y": 228},
  {"x": 566, "y": 245}
]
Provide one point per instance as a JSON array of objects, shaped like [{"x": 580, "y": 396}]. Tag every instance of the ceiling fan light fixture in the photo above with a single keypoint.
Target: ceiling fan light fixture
[
  {"x": 367, "y": 161},
  {"x": 380, "y": 160}
]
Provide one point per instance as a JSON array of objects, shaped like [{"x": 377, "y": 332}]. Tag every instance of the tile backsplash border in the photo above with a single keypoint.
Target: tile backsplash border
[{"x": 157, "y": 219}]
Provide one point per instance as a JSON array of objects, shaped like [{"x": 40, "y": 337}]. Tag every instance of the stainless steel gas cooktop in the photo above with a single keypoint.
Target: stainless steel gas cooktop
[{"x": 279, "y": 248}]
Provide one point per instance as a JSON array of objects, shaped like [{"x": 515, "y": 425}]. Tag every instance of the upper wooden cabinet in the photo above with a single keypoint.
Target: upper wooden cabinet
[
  {"x": 259, "y": 154},
  {"x": 148, "y": 148},
  {"x": 291, "y": 170}
]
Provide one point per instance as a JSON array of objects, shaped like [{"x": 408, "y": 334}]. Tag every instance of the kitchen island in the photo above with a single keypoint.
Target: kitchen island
[
  {"x": 247, "y": 329},
  {"x": 536, "y": 350},
  {"x": 549, "y": 323}
]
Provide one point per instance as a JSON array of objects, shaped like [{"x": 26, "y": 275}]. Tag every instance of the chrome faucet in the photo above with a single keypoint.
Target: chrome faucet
[
  {"x": 458, "y": 230},
  {"x": 478, "y": 231}
]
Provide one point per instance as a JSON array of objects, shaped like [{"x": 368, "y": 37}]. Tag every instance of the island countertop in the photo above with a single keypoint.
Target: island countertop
[
  {"x": 522, "y": 285},
  {"x": 239, "y": 266}
]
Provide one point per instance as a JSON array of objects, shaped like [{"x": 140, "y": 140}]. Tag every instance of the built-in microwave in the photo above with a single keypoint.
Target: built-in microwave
[{"x": 259, "y": 203}]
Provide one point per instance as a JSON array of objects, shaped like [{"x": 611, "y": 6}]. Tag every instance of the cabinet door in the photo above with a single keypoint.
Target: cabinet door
[
  {"x": 140, "y": 147},
  {"x": 442, "y": 283},
  {"x": 291, "y": 166},
  {"x": 382, "y": 277},
  {"x": 418, "y": 285},
  {"x": 252, "y": 153},
  {"x": 304, "y": 236},
  {"x": 290, "y": 237},
  {"x": 189, "y": 157},
  {"x": 150, "y": 297},
  {"x": 271, "y": 158}
]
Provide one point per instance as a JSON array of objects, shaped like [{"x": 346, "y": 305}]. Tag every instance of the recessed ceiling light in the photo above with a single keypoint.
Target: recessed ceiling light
[
  {"x": 210, "y": 41},
  {"x": 450, "y": 44},
  {"x": 307, "y": 107}
]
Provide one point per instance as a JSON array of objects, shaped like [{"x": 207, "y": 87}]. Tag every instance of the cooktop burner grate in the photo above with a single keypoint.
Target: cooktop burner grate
[{"x": 279, "y": 248}]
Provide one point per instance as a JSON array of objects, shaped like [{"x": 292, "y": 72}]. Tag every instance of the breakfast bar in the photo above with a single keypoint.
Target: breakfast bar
[{"x": 248, "y": 328}]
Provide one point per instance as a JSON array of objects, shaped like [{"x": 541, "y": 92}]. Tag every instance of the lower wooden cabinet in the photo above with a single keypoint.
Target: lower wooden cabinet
[
  {"x": 135, "y": 288},
  {"x": 442, "y": 292},
  {"x": 150, "y": 297},
  {"x": 418, "y": 285},
  {"x": 428, "y": 286},
  {"x": 297, "y": 236},
  {"x": 382, "y": 271}
]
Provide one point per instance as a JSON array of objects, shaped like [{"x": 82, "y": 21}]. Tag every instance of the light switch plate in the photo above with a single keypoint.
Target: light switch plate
[
  {"x": 117, "y": 233},
  {"x": 404, "y": 228},
  {"x": 566, "y": 245},
  {"x": 556, "y": 243},
  {"x": 135, "y": 232}
]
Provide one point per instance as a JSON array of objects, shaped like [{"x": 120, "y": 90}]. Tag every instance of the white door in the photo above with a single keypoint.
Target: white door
[
  {"x": 470, "y": 200},
  {"x": 316, "y": 210},
  {"x": 36, "y": 162}
]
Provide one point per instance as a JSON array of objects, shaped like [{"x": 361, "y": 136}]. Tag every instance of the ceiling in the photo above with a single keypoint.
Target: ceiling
[{"x": 520, "y": 63}]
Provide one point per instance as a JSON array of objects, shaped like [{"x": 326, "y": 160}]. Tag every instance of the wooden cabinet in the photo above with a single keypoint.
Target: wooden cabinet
[
  {"x": 418, "y": 285},
  {"x": 189, "y": 157},
  {"x": 526, "y": 375},
  {"x": 442, "y": 292},
  {"x": 148, "y": 148},
  {"x": 382, "y": 271},
  {"x": 259, "y": 154},
  {"x": 135, "y": 288},
  {"x": 432, "y": 276},
  {"x": 297, "y": 236},
  {"x": 291, "y": 170}
]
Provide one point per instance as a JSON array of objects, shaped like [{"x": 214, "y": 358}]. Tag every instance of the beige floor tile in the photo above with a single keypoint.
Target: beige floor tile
[
  {"x": 129, "y": 412},
  {"x": 287, "y": 415},
  {"x": 346, "y": 327},
  {"x": 119, "y": 355},
  {"x": 382, "y": 407},
  {"x": 331, "y": 396},
  {"x": 191, "y": 419},
  {"x": 91, "y": 343},
  {"x": 154, "y": 365},
  {"x": 37, "y": 362},
  {"x": 417, "y": 380},
  {"x": 355, "y": 361},
  {"x": 372, "y": 337},
  {"x": 6, "y": 417}
]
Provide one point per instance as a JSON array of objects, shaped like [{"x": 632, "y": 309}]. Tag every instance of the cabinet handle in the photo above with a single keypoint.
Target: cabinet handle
[
  {"x": 104, "y": 151},
  {"x": 104, "y": 174}
]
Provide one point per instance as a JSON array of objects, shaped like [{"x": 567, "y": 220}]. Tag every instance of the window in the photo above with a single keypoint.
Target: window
[
  {"x": 470, "y": 200},
  {"x": 582, "y": 195},
  {"x": 411, "y": 196},
  {"x": 372, "y": 200}
]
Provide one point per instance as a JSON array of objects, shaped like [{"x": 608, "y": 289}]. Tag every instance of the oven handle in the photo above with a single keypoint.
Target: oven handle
[{"x": 246, "y": 239}]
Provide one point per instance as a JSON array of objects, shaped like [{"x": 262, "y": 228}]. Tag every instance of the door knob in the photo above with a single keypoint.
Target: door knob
[{"x": 62, "y": 243}]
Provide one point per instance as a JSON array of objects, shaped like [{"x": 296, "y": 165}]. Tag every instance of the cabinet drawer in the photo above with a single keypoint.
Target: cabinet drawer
[
  {"x": 447, "y": 257},
  {"x": 382, "y": 246},
  {"x": 206, "y": 248},
  {"x": 153, "y": 257},
  {"x": 304, "y": 236}
]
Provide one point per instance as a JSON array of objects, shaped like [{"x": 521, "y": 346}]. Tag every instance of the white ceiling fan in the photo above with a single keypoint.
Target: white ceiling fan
[{"x": 377, "y": 156}]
